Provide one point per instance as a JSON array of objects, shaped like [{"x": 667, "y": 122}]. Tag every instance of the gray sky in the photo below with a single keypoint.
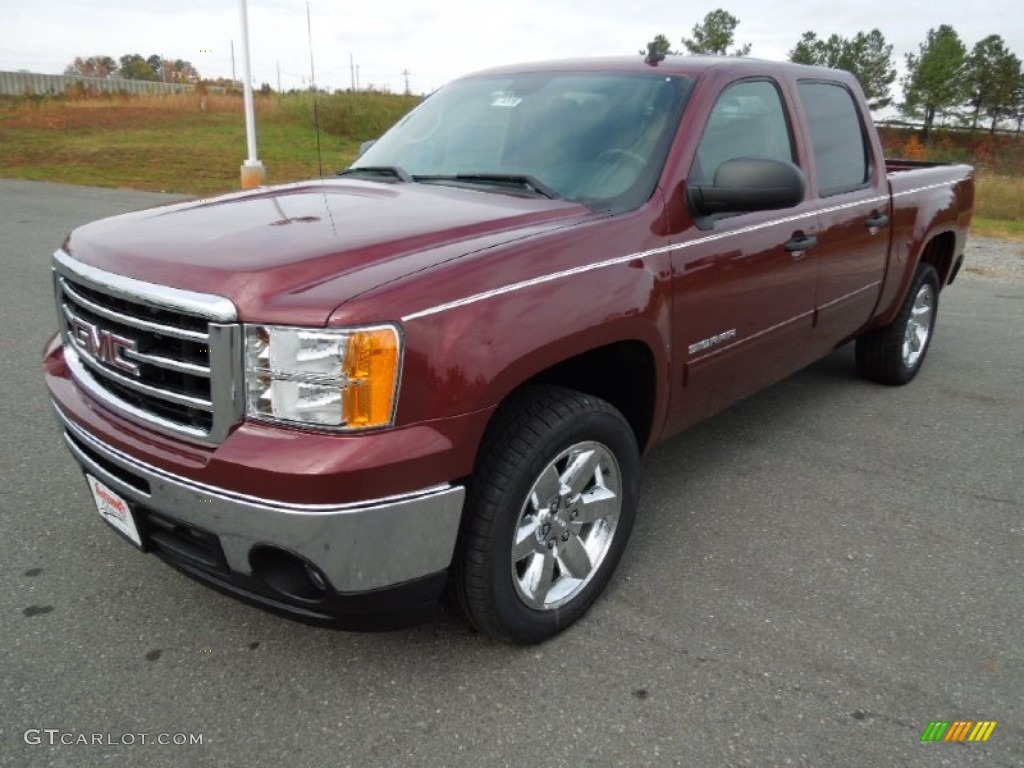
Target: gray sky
[{"x": 438, "y": 41}]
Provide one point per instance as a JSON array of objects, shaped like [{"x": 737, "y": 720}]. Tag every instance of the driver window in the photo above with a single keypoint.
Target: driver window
[{"x": 748, "y": 120}]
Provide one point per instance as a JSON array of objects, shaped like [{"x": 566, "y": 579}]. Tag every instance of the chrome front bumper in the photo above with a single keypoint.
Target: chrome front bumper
[{"x": 358, "y": 548}]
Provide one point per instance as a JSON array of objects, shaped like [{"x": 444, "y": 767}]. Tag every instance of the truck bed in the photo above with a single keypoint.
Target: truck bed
[
  {"x": 931, "y": 203},
  {"x": 899, "y": 164}
]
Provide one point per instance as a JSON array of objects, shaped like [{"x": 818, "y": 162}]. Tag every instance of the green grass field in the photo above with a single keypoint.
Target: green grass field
[
  {"x": 194, "y": 144},
  {"x": 190, "y": 144}
]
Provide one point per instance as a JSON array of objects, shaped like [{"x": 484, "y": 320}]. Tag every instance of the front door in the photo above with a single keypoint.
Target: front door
[{"x": 743, "y": 285}]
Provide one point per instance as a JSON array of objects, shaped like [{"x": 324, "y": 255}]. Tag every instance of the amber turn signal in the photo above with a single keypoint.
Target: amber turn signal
[{"x": 371, "y": 367}]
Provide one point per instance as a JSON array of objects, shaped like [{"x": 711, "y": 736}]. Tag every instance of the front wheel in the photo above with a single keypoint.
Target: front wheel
[
  {"x": 894, "y": 354},
  {"x": 549, "y": 511}
]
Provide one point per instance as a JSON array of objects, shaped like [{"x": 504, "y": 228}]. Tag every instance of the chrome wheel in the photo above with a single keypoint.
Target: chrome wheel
[
  {"x": 566, "y": 525},
  {"x": 549, "y": 511},
  {"x": 919, "y": 325}
]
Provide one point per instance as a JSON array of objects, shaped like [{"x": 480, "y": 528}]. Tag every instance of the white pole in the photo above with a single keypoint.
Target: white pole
[{"x": 253, "y": 172}]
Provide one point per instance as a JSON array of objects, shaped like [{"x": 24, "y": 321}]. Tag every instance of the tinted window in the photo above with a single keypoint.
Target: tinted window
[
  {"x": 840, "y": 152},
  {"x": 748, "y": 120},
  {"x": 596, "y": 138}
]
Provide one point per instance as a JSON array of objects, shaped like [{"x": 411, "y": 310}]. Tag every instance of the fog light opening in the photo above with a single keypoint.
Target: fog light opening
[{"x": 288, "y": 574}]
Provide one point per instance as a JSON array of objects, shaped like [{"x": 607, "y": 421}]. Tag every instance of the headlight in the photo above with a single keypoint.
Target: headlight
[{"x": 344, "y": 377}]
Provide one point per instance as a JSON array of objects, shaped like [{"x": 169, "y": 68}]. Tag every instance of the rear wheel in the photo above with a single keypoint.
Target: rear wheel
[
  {"x": 549, "y": 511},
  {"x": 894, "y": 354}
]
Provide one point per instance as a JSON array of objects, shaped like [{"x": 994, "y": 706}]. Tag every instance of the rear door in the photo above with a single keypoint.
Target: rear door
[{"x": 852, "y": 195}]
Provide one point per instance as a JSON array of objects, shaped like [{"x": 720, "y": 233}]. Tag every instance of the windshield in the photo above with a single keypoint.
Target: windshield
[{"x": 594, "y": 138}]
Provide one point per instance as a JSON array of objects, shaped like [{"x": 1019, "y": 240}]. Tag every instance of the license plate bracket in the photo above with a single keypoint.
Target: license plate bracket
[{"x": 114, "y": 510}]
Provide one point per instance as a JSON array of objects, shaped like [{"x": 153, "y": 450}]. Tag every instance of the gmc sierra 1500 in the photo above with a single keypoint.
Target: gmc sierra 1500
[{"x": 336, "y": 398}]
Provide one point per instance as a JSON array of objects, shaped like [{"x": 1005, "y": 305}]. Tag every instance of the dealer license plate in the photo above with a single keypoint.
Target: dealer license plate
[{"x": 114, "y": 510}]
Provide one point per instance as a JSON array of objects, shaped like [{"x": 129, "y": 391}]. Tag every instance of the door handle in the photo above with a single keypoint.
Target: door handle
[
  {"x": 800, "y": 242},
  {"x": 876, "y": 221}
]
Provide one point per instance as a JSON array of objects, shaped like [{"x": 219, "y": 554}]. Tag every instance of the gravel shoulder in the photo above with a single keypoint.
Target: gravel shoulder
[{"x": 989, "y": 257}]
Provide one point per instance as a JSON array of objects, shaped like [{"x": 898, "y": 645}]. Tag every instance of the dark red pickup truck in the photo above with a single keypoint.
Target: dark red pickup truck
[{"x": 338, "y": 398}]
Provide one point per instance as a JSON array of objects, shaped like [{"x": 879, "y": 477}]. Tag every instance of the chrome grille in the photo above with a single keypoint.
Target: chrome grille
[{"x": 151, "y": 352}]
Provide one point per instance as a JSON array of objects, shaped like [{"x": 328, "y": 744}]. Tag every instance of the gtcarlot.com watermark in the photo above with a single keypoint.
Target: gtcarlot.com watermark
[{"x": 56, "y": 737}]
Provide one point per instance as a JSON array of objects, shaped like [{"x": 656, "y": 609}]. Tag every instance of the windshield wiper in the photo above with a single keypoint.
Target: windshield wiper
[
  {"x": 393, "y": 171},
  {"x": 520, "y": 180}
]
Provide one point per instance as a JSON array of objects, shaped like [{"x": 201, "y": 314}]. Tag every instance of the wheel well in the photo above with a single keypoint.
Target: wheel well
[
  {"x": 939, "y": 253},
  {"x": 621, "y": 374}
]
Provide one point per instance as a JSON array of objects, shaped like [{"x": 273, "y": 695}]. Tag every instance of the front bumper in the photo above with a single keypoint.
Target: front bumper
[{"x": 371, "y": 564}]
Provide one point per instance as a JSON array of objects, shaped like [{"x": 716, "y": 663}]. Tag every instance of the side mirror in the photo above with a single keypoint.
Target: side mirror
[
  {"x": 746, "y": 184},
  {"x": 365, "y": 146}
]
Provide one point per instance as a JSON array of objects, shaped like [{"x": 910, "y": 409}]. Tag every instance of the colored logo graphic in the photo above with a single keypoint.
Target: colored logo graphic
[{"x": 958, "y": 730}]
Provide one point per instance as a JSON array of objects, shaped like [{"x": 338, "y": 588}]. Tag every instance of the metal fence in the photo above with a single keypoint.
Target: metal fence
[{"x": 19, "y": 83}]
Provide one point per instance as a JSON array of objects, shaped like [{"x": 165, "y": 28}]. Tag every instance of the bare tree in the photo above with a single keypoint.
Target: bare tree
[{"x": 92, "y": 66}]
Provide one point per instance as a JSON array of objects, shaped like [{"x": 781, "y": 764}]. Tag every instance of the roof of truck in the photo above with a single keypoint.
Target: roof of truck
[{"x": 690, "y": 66}]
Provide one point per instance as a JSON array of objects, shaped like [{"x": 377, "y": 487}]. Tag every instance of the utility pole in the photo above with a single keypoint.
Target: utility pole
[
  {"x": 279, "y": 77},
  {"x": 405, "y": 72},
  {"x": 352, "y": 70},
  {"x": 253, "y": 172},
  {"x": 233, "y": 78}
]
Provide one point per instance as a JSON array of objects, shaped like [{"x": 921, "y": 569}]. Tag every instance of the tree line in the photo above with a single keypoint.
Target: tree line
[
  {"x": 134, "y": 66},
  {"x": 944, "y": 82}
]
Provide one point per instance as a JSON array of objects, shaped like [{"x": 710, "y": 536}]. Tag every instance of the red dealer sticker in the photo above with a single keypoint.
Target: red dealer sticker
[{"x": 114, "y": 510}]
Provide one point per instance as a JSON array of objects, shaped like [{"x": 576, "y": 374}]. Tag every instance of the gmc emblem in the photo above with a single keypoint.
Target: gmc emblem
[{"x": 103, "y": 345}]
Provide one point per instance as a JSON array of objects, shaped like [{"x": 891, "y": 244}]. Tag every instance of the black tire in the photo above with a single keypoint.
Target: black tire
[
  {"x": 536, "y": 427},
  {"x": 894, "y": 354}
]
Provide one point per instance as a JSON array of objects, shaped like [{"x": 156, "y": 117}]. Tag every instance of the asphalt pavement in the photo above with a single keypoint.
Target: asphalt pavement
[{"x": 815, "y": 575}]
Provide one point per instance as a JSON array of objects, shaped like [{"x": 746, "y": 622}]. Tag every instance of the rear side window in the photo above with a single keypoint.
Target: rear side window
[
  {"x": 748, "y": 120},
  {"x": 840, "y": 148}
]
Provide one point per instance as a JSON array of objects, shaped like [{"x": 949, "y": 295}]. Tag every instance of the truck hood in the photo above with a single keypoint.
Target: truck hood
[{"x": 291, "y": 254}]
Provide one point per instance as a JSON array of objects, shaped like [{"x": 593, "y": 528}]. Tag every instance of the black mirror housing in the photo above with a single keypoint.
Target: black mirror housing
[{"x": 746, "y": 184}]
